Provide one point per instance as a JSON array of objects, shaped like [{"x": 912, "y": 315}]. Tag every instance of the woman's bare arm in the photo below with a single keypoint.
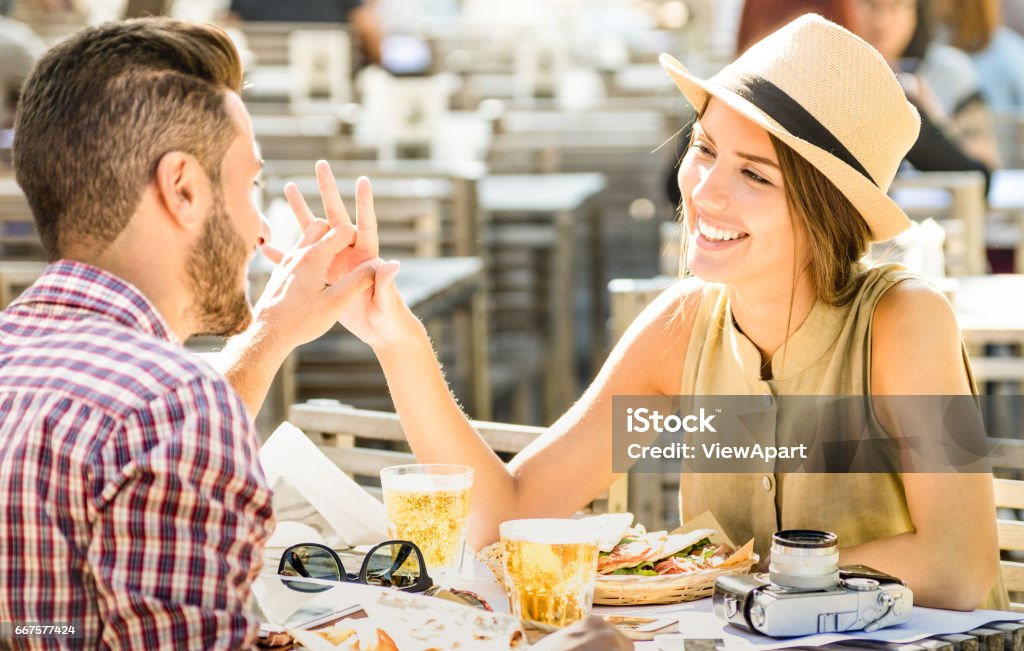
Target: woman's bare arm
[
  {"x": 951, "y": 559},
  {"x": 570, "y": 464}
]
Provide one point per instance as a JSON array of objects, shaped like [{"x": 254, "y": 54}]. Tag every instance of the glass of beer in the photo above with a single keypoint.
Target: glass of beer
[
  {"x": 550, "y": 567},
  {"x": 428, "y": 504}
]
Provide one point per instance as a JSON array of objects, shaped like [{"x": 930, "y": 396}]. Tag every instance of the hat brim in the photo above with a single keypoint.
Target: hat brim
[{"x": 885, "y": 219}]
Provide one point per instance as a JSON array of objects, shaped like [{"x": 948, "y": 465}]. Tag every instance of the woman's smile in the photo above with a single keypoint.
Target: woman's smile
[{"x": 712, "y": 237}]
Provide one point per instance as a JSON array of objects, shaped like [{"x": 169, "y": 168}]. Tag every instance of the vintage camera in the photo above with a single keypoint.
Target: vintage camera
[{"x": 806, "y": 591}]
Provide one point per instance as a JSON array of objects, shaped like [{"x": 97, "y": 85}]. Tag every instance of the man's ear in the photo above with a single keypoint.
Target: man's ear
[{"x": 182, "y": 188}]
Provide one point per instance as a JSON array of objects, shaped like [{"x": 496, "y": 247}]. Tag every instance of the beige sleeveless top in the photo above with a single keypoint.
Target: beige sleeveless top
[{"x": 829, "y": 354}]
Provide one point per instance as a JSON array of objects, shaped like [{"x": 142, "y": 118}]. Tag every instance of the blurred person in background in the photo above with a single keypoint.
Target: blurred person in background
[
  {"x": 360, "y": 14},
  {"x": 760, "y": 18},
  {"x": 997, "y": 51},
  {"x": 938, "y": 78}
]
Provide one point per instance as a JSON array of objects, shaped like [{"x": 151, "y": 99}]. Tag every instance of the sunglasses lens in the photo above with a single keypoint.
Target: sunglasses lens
[
  {"x": 393, "y": 565},
  {"x": 310, "y": 562}
]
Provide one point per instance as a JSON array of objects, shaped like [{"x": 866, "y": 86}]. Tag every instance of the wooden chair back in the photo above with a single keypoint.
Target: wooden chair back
[
  {"x": 1009, "y": 498},
  {"x": 362, "y": 442},
  {"x": 320, "y": 66},
  {"x": 652, "y": 497},
  {"x": 16, "y": 276}
]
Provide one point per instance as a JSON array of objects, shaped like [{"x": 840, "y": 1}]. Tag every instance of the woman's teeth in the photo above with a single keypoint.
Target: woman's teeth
[{"x": 717, "y": 234}]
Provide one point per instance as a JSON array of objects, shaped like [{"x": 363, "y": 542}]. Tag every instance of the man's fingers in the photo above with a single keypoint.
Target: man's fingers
[
  {"x": 333, "y": 205},
  {"x": 366, "y": 218},
  {"x": 384, "y": 281},
  {"x": 313, "y": 233},
  {"x": 357, "y": 281},
  {"x": 303, "y": 215},
  {"x": 331, "y": 244}
]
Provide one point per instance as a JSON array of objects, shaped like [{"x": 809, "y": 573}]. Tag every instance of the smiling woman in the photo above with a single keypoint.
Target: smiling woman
[{"x": 783, "y": 187}]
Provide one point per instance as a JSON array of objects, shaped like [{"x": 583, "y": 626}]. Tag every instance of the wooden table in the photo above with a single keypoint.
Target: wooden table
[
  {"x": 990, "y": 309},
  {"x": 564, "y": 202},
  {"x": 998, "y": 636}
]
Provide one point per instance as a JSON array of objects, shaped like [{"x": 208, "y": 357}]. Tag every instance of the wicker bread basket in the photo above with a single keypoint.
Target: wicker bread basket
[{"x": 629, "y": 590}]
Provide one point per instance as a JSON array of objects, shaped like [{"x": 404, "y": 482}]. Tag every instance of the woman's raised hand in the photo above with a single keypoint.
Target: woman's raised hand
[{"x": 378, "y": 316}]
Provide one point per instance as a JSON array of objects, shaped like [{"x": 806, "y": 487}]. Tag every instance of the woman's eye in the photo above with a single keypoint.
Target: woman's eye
[
  {"x": 756, "y": 178},
  {"x": 702, "y": 148}
]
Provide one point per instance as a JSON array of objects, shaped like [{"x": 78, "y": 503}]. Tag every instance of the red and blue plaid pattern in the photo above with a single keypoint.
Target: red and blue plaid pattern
[{"x": 132, "y": 502}]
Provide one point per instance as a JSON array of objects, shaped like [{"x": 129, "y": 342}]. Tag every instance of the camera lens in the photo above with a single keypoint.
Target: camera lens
[{"x": 804, "y": 559}]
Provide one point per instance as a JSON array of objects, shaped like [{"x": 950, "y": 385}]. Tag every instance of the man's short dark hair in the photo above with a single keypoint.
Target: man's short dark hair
[{"x": 102, "y": 108}]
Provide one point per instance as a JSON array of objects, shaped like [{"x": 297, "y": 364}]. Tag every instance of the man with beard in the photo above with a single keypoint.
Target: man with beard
[{"x": 133, "y": 504}]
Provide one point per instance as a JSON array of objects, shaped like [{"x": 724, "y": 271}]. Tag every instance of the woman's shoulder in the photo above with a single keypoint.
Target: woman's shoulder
[
  {"x": 654, "y": 345},
  {"x": 915, "y": 341},
  {"x": 893, "y": 287},
  {"x": 910, "y": 306}
]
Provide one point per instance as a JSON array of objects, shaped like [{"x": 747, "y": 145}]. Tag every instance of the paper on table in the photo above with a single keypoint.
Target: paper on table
[
  {"x": 343, "y": 513},
  {"x": 417, "y": 623},
  {"x": 701, "y": 623}
]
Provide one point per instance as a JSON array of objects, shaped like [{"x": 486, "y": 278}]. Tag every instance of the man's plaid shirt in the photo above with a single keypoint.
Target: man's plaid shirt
[{"x": 132, "y": 503}]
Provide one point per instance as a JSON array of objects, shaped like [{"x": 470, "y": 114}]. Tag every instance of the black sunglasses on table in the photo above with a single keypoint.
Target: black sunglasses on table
[{"x": 391, "y": 564}]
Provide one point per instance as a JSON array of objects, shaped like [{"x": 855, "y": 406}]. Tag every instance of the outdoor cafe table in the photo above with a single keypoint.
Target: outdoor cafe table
[
  {"x": 998, "y": 636},
  {"x": 990, "y": 309},
  {"x": 566, "y": 202}
]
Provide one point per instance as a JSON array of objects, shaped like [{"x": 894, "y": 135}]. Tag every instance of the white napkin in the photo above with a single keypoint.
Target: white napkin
[{"x": 292, "y": 462}]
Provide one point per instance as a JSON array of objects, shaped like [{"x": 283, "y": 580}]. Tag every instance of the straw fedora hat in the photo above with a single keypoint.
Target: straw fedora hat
[{"x": 832, "y": 98}]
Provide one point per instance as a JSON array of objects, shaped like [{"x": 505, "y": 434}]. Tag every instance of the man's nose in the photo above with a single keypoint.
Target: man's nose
[{"x": 265, "y": 233}]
